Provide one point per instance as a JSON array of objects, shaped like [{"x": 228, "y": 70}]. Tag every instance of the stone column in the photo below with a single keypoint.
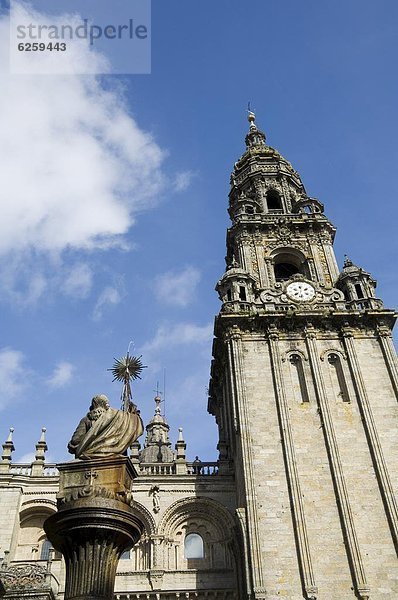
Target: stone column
[{"x": 94, "y": 524}]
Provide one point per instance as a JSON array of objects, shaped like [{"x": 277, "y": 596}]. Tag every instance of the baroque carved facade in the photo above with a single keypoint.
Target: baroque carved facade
[{"x": 302, "y": 501}]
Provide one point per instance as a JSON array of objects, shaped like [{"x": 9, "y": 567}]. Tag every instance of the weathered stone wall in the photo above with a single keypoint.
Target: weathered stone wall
[{"x": 301, "y": 427}]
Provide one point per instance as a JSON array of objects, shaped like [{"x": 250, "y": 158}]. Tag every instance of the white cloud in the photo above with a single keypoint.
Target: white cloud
[
  {"x": 13, "y": 375},
  {"x": 78, "y": 281},
  {"x": 61, "y": 375},
  {"x": 75, "y": 169},
  {"x": 26, "y": 458},
  {"x": 178, "y": 334},
  {"x": 30, "y": 457},
  {"x": 108, "y": 297},
  {"x": 183, "y": 180},
  {"x": 177, "y": 288}
]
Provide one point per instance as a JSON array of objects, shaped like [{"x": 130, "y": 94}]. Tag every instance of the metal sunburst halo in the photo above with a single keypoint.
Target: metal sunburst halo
[{"x": 126, "y": 369}]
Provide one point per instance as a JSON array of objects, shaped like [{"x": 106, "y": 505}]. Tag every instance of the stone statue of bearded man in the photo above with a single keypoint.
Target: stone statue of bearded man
[{"x": 105, "y": 431}]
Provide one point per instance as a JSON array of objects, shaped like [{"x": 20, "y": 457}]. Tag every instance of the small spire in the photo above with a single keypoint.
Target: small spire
[
  {"x": 8, "y": 449},
  {"x": 181, "y": 456},
  {"x": 40, "y": 455},
  {"x": 9, "y": 439},
  {"x": 251, "y": 117},
  {"x": 43, "y": 435},
  {"x": 158, "y": 401},
  {"x": 347, "y": 261},
  {"x": 255, "y": 137}
]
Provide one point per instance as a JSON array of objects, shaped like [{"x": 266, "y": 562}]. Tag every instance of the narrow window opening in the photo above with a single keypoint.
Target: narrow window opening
[
  {"x": 296, "y": 361},
  {"x": 193, "y": 546},
  {"x": 229, "y": 295},
  {"x": 125, "y": 555},
  {"x": 250, "y": 210},
  {"x": 358, "y": 289},
  {"x": 335, "y": 361},
  {"x": 242, "y": 293},
  {"x": 273, "y": 200}
]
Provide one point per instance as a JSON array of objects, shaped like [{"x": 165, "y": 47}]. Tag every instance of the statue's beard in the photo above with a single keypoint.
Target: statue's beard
[{"x": 95, "y": 414}]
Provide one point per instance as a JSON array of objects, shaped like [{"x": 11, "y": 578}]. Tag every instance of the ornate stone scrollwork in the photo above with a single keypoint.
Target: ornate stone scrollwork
[{"x": 24, "y": 576}]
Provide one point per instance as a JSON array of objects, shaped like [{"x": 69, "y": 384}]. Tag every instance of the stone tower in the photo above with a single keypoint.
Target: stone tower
[{"x": 304, "y": 390}]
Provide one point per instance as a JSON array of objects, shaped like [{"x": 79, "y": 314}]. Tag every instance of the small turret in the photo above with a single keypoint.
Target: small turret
[
  {"x": 254, "y": 137},
  {"x": 157, "y": 446},
  {"x": 358, "y": 286}
]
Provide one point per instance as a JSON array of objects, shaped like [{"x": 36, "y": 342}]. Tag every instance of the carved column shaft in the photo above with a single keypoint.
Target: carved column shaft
[
  {"x": 336, "y": 467},
  {"x": 304, "y": 553},
  {"x": 376, "y": 451}
]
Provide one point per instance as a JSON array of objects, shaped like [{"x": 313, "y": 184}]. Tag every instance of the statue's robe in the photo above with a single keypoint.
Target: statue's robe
[{"x": 112, "y": 433}]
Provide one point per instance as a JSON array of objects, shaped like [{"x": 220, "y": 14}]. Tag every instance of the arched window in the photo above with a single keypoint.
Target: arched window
[
  {"x": 32, "y": 541},
  {"x": 193, "y": 546},
  {"x": 289, "y": 262},
  {"x": 125, "y": 555},
  {"x": 339, "y": 378},
  {"x": 298, "y": 377},
  {"x": 273, "y": 201},
  {"x": 45, "y": 549},
  {"x": 250, "y": 210}
]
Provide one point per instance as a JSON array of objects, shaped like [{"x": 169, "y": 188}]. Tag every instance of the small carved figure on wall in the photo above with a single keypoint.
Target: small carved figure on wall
[{"x": 154, "y": 491}]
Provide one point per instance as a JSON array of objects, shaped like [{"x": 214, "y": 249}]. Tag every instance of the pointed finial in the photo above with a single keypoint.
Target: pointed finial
[
  {"x": 158, "y": 401},
  {"x": 251, "y": 117},
  {"x": 180, "y": 436},
  {"x": 43, "y": 435},
  {"x": 347, "y": 261},
  {"x": 255, "y": 137},
  {"x": 8, "y": 449}
]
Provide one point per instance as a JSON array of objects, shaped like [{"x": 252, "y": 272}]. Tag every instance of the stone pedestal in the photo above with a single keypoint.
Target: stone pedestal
[{"x": 94, "y": 524}]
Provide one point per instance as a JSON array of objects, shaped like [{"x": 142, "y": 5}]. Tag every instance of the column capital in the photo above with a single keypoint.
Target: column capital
[
  {"x": 233, "y": 333},
  {"x": 384, "y": 331}
]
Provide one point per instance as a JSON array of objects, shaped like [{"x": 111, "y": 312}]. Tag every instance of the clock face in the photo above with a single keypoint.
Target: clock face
[{"x": 301, "y": 291}]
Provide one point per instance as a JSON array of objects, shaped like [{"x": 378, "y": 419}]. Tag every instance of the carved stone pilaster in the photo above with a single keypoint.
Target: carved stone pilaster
[
  {"x": 239, "y": 398},
  {"x": 336, "y": 467},
  {"x": 296, "y": 496},
  {"x": 387, "y": 346},
  {"x": 94, "y": 524},
  {"x": 375, "y": 447}
]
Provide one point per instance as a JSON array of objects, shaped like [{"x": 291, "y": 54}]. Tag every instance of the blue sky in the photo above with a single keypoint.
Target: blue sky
[{"x": 114, "y": 196}]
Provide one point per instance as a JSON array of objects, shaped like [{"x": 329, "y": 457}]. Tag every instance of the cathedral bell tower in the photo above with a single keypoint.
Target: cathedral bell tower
[{"x": 304, "y": 390}]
